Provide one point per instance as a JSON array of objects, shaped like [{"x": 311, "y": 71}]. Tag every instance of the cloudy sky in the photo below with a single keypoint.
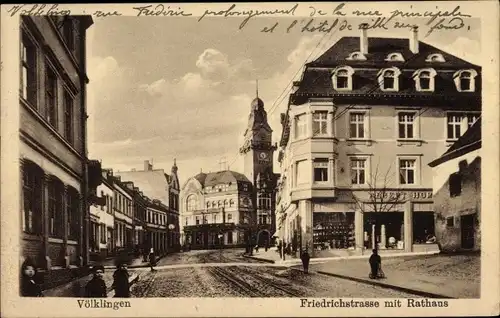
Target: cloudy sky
[{"x": 165, "y": 88}]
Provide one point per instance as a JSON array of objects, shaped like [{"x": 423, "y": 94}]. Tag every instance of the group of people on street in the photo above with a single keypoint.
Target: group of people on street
[{"x": 96, "y": 287}]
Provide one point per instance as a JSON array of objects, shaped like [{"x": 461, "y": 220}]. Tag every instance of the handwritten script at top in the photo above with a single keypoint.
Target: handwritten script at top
[{"x": 318, "y": 20}]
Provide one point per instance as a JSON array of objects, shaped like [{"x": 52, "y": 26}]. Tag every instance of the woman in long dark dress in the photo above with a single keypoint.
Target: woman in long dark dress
[{"x": 29, "y": 286}]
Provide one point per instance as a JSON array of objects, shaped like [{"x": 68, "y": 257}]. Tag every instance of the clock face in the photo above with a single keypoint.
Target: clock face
[{"x": 263, "y": 155}]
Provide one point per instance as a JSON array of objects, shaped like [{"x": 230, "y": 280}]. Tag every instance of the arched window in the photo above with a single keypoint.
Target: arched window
[
  {"x": 395, "y": 57},
  {"x": 424, "y": 80},
  {"x": 208, "y": 205},
  {"x": 32, "y": 197},
  {"x": 231, "y": 202},
  {"x": 191, "y": 203},
  {"x": 389, "y": 79},
  {"x": 342, "y": 78},
  {"x": 225, "y": 202},
  {"x": 214, "y": 204},
  {"x": 55, "y": 204},
  {"x": 465, "y": 80},
  {"x": 356, "y": 56},
  {"x": 219, "y": 204},
  {"x": 436, "y": 57}
]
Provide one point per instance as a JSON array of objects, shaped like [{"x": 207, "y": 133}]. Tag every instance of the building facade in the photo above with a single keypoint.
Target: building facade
[
  {"x": 457, "y": 193},
  {"x": 54, "y": 167},
  {"x": 102, "y": 220},
  {"x": 258, "y": 154},
  {"x": 362, "y": 125},
  {"x": 216, "y": 209},
  {"x": 123, "y": 217},
  {"x": 164, "y": 190}
]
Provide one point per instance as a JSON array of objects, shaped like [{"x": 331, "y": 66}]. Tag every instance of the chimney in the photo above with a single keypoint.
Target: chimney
[
  {"x": 147, "y": 166},
  {"x": 363, "y": 38},
  {"x": 414, "y": 40}
]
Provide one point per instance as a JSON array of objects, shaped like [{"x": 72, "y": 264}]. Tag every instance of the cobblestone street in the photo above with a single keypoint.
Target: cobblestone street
[{"x": 221, "y": 278}]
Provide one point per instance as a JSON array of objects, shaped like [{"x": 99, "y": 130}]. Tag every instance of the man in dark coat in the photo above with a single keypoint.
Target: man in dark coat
[
  {"x": 121, "y": 282},
  {"x": 375, "y": 263},
  {"x": 96, "y": 287},
  {"x": 305, "y": 257}
]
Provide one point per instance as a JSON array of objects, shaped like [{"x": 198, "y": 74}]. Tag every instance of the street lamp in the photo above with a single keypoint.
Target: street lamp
[
  {"x": 221, "y": 243},
  {"x": 170, "y": 227}
]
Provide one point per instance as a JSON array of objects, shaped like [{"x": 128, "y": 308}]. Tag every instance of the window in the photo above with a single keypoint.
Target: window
[
  {"x": 389, "y": 79},
  {"x": 356, "y": 56},
  {"x": 72, "y": 212},
  {"x": 191, "y": 203},
  {"x": 205, "y": 219},
  {"x": 68, "y": 117},
  {"x": 320, "y": 170},
  {"x": 455, "y": 184},
  {"x": 320, "y": 123},
  {"x": 407, "y": 171},
  {"x": 55, "y": 196},
  {"x": 231, "y": 202},
  {"x": 424, "y": 80},
  {"x": 230, "y": 238},
  {"x": 454, "y": 126},
  {"x": 215, "y": 218},
  {"x": 358, "y": 172},
  {"x": 303, "y": 172},
  {"x": 450, "y": 221},
  {"x": 264, "y": 202},
  {"x": 262, "y": 219},
  {"x": 465, "y": 80},
  {"x": 32, "y": 199},
  {"x": 300, "y": 126},
  {"x": 219, "y": 204},
  {"x": 51, "y": 96},
  {"x": 342, "y": 79},
  {"x": 436, "y": 57},
  {"x": 214, "y": 204},
  {"x": 102, "y": 196},
  {"x": 395, "y": 57},
  {"x": 103, "y": 233},
  {"x": 229, "y": 217},
  {"x": 406, "y": 125},
  {"x": 28, "y": 85},
  {"x": 68, "y": 33},
  {"x": 357, "y": 125},
  {"x": 471, "y": 119}
]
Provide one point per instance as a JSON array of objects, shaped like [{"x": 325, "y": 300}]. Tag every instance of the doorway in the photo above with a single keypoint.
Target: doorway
[{"x": 467, "y": 231}]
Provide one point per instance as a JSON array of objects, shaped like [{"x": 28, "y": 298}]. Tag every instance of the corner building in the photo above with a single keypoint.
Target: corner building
[
  {"x": 363, "y": 123},
  {"x": 54, "y": 168}
]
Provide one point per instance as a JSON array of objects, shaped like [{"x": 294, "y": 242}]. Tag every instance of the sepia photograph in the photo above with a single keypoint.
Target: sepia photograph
[{"x": 328, "y": 152}]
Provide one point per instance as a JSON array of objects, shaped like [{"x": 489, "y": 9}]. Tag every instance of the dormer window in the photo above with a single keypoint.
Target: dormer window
[
  {"x": 465, "y": 80},
  {"x": 342, "y": 78},
  {"x": 356, "y": 56},
  {"x": 395, "y": 57},
  {"x": 424, "y": 80},
  {"x": 388, "y": 79},
  {"x": 435, "y": 58}
]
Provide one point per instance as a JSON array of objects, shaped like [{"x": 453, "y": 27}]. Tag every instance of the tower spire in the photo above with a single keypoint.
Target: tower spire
[{"x": 257, "y": 88}]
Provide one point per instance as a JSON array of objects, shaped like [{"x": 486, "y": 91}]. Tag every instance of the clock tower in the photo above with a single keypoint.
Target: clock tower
[{"x": 258, "y": 153}]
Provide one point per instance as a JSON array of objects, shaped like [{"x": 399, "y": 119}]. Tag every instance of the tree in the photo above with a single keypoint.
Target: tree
[{"x": 380, "y": 195}]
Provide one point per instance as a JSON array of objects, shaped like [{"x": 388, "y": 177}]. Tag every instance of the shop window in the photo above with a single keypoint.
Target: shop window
[
  {"x": 320, "y": 123},
  {"x": 320, "y": 170},
  {"x": 455, "y": 182}
]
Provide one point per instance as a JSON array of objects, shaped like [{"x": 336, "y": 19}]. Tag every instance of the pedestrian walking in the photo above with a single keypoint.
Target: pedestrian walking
[
  {"x": 96, "y": 287},
  {"x": 152, "y": 259},
  {"x": 29, "y": 286},
  {"x": 121, "y": 282},
  {"x": 375, "y": 264},
  {"x": 305, "y": 257}
]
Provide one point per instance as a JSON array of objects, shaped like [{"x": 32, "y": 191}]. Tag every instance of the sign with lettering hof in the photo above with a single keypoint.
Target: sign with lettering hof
[{"x": 402, "y": 196}]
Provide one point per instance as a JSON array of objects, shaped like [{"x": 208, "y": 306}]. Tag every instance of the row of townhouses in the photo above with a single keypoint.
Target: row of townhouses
[
  {"x": 71, "y": 210},
  {"x": 128, "y": 219},
  {"x": 363, "y": 124}
]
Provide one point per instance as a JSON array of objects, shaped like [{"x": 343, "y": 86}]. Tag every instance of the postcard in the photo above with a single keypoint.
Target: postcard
[{"x": 277, "y": 159}]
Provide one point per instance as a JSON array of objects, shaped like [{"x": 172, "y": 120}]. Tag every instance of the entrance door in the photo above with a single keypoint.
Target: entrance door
[{"x": 467, "y": 231}]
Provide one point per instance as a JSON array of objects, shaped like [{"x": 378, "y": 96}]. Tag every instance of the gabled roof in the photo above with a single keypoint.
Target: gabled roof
[{"x": 468, "y": 142}]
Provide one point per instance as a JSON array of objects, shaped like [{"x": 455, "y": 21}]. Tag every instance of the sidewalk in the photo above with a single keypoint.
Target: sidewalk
[
  {"x": 76, "y": 288},
  {"x": 271, "y": 256},
  {"x": 132, "y": 263},
  {"x": 435, "y": 276}
]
